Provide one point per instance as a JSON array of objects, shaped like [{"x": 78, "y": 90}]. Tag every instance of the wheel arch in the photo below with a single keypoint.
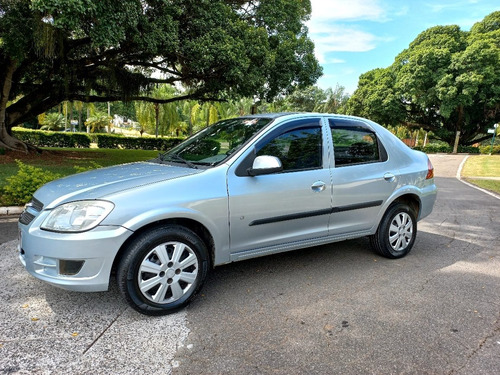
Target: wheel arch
[
  {"x": 412, "y": 200},
  {"x": 198, "y": 228}
]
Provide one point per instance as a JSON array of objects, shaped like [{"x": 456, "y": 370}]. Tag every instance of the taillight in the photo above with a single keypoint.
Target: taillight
[{"x": 430, "y": 170}]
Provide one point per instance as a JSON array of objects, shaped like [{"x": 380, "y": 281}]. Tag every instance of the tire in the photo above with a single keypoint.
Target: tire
[
  {"x": 162, "y": 270},
  {"x": 396, "y": 233}
]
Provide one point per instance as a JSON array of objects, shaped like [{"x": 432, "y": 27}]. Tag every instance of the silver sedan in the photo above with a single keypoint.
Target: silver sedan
[{"x": 241, "y": 188}]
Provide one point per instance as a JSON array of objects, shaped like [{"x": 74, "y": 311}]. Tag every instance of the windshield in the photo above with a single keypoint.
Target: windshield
[{"x": 215, "y": 143}]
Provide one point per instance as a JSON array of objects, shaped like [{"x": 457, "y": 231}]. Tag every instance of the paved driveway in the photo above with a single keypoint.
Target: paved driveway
[{"x": 335, "y": 309}]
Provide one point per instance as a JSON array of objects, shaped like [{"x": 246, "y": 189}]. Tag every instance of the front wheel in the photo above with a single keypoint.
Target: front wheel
[
  {"x": 396, "y": 233},
  {"x": 162, "y": 270}
]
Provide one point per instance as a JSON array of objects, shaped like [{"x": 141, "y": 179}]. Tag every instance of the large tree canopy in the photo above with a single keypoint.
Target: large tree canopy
[
  {"x": 107, "y": 50},
  {"x": 448, "y": 80}
]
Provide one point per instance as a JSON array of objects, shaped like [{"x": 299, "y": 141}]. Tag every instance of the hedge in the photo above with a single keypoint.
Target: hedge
[
  {"x": 447, "y": 149},
  {"x": 468, "y": 149},
  {"x": 42, "y": 138},
  {"x": 143, "y": 143}
]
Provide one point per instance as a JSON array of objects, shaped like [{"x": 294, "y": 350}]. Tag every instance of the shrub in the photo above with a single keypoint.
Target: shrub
[
  {"x": 42, "y": 138},
  {"x": 93, "y": 165},
  {"x": 52, "y": 121},
  {"x": 487, "y": 149},
  {"x": 133, "y": 143},
  {"x": 468, "y": 149},
  {"x": 21, "y": 186},
  {"x": 433, "y": 148}
]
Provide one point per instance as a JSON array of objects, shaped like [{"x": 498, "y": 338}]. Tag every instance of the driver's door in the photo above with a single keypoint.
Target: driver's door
[{"x": 288, "y": 206}]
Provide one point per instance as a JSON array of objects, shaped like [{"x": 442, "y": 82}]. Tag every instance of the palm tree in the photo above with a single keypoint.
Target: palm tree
[{"x": 53, "y": 121}]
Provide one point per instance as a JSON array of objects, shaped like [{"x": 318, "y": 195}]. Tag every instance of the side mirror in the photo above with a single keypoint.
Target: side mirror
[{"x": 265, "y": 164}]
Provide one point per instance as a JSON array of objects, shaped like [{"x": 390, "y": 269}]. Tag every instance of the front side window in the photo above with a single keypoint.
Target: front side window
[
  {"x": 354, "y": 146},
  {"x": 298, "y": 149}
]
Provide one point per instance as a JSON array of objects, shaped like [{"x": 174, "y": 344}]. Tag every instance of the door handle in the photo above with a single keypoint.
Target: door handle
[
  {"x": 389, "y": 177},
  {"x": 318, "y": 186}
]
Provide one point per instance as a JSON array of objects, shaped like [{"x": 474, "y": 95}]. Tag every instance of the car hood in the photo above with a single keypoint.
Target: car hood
[{"x": 99, "y": 183}]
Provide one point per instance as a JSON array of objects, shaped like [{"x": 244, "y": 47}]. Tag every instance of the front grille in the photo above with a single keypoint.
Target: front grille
[
  {"x": 36, "y": 204},
  {"x": 26, "y": 218}
]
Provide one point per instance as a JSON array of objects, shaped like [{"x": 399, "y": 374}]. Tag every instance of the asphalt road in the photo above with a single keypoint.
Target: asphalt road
[
  {"x": 8, "y": 228},
  {"x": 335, "y": 309}
]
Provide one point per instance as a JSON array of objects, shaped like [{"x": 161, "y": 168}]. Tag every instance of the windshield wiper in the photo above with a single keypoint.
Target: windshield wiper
[{"x": 176, "y": 157}]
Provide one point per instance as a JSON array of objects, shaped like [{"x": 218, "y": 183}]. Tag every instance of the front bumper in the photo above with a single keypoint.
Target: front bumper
[{"x": 73, "y": 261}]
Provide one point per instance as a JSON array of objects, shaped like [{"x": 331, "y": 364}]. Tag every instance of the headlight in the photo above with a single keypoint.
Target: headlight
[{"x": 77, "y": 216}]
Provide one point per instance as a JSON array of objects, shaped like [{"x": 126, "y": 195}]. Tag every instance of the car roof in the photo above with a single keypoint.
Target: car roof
[
  {"x": 275, "y": 115},
  {"x": 271, "y": 115}
]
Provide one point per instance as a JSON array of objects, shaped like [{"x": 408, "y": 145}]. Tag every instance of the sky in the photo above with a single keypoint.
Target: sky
[{"x": 352, "y": 37}]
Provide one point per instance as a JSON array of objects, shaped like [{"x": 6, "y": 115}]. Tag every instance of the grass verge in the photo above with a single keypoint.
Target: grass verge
[
  {"x": 483, "y": 166},
  {"x": 490, "y": 185}
]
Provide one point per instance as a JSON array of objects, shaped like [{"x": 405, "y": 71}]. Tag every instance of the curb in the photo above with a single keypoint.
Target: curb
[{"x": 12, "y": 210}]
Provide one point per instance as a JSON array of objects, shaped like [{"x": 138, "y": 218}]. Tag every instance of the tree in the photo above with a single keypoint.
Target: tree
[
  {"x": 100, "y": 51},
  {"x": 305, "y": 100},
  {"x": 159, "y": 118},
  {"x": 53, "y": 121},
  {"x": 335, "y": 102},
  {"x": 377, "y": 98},
  {"x": 448, "y": 80},
  {"x": 98, "y": 123},
  {"x": 311, "y": 99}
]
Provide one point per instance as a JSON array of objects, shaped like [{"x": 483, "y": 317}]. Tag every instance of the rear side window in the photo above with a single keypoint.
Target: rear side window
[{"x": 354, "y": 145}]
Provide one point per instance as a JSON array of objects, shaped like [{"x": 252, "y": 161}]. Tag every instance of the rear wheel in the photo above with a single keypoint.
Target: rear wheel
[
  {"x": 162, "y": 270},
  {"x": 396, "y": 233}
]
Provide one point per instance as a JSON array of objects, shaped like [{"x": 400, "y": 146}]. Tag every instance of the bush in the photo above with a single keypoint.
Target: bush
[
  {"x": 487, "y": 149},
  {"x": 133, "y": 143},
  {"x": 41, "y": 138},
  {"x": 468, "y": 149},
  {"x": 93, "y": 165},
  {"x": 433, "y": 148},
  {"x": 21, "y": 186}
]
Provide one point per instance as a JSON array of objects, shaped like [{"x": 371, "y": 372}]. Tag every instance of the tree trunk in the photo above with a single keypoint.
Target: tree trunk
[
  {"x": 80, "y": 110},
  {"x": 157, "y": 118},
  {"x": 6, "y": 139}
]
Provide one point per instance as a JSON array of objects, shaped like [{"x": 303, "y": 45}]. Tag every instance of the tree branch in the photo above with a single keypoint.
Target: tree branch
[{"x": 113, "y": 98}]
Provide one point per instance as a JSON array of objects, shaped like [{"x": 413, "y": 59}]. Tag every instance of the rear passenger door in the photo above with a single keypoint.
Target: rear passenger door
[{"x": 361, "y": 177}]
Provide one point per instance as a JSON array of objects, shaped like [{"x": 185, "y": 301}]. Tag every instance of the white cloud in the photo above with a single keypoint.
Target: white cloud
[
  {"x": 330, "y": 34},
  {"x": 337, "y": 38},
  {"x": 347, "y": 10},
  {"x": 334, "y": 28},
  {"x": 437, "y": 7}
]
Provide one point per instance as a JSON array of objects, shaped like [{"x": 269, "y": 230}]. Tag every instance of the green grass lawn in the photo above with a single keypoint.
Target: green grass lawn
[
  {"x": 483, "y": 166},
  {"x": 63, "y": 161}
]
